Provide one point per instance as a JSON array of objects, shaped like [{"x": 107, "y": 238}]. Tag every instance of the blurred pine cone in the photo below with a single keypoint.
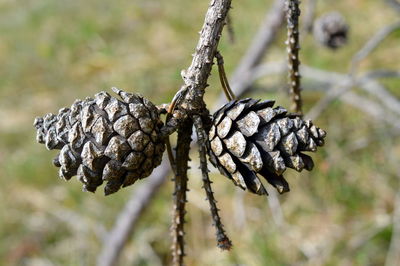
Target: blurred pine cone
[
  {"x": 249, "y": 137},
  {"x": 331, "y": 30},
  {"x": 104, "y": 139}
]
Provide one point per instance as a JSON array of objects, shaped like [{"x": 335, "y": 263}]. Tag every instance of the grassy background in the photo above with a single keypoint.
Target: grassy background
[{"x": 52, "y": 52}]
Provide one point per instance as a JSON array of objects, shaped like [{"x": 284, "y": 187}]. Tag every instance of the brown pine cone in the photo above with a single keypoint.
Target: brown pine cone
[
  {"x": 331, "y": 30},
  {"x": 104, "y": 139},
  {"x": 249, "y": 137}
]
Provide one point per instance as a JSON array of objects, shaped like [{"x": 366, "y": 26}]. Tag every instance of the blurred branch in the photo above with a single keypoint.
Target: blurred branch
[
  {"x": 371, "y": 44},
  {"x": 129, "y": 216},
  {"x": 395, "y": 4},
  {"x": 229, "y": 28},
  {"x": 309, "y": 15},
  {"x": 340, "y": 84}
]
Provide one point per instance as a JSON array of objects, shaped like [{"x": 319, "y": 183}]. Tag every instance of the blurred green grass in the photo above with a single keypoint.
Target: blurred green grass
[{"x": 52, "y": 52}]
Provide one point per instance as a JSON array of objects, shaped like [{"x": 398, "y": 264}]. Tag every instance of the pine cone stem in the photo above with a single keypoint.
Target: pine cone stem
[
  {"x": 178, "y": 219},
  {"x": 293, "y": 47},
  {"x": 223, "y": 240},
  {"x": 222, "y": 77}
]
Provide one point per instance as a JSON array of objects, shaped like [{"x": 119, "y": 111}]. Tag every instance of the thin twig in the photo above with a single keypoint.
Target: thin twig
[
  {"x": 223, "y": 241},
  {"x": 293, "y": 47},
  {"x": 178, "y": 217}
]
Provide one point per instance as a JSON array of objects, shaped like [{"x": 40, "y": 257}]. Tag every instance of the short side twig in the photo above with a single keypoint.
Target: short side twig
[
  {"x": 293, "y": 47},
  {"x": 178, "y": 218},
  {"x": 223, "y": 241}
]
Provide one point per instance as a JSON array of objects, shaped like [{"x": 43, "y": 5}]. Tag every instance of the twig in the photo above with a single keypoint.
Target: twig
[
  {"x": 223, "y": 241},
  {"x": 178, "y": 217},
  {"x": 128, "y": 217},
  {"x": 293, "y": 47},
  {"x": 371, "y": 44}
]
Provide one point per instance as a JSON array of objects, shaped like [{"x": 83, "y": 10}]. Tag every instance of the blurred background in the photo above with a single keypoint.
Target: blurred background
[{"x": 345, "y": 212}]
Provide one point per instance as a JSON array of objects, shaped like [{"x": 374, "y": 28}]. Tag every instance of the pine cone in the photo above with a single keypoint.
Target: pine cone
[
  {"x": 331, "y": 30},
  {"x": 249, "y": 137},
  {"x": 104, "y": 139}
]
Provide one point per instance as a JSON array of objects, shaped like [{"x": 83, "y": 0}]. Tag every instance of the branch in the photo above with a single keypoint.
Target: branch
[
  {"x": 195, "y": 79},
  {"x": 129, "y": 216},
  {"x": 190, "y": 99}
]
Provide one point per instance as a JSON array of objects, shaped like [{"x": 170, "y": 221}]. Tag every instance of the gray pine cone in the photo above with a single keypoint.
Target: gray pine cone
[
  {"x": 249, "y": 137},
  {"x": 331, "y": 30},
  {"x": 104, "y": 139}
]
